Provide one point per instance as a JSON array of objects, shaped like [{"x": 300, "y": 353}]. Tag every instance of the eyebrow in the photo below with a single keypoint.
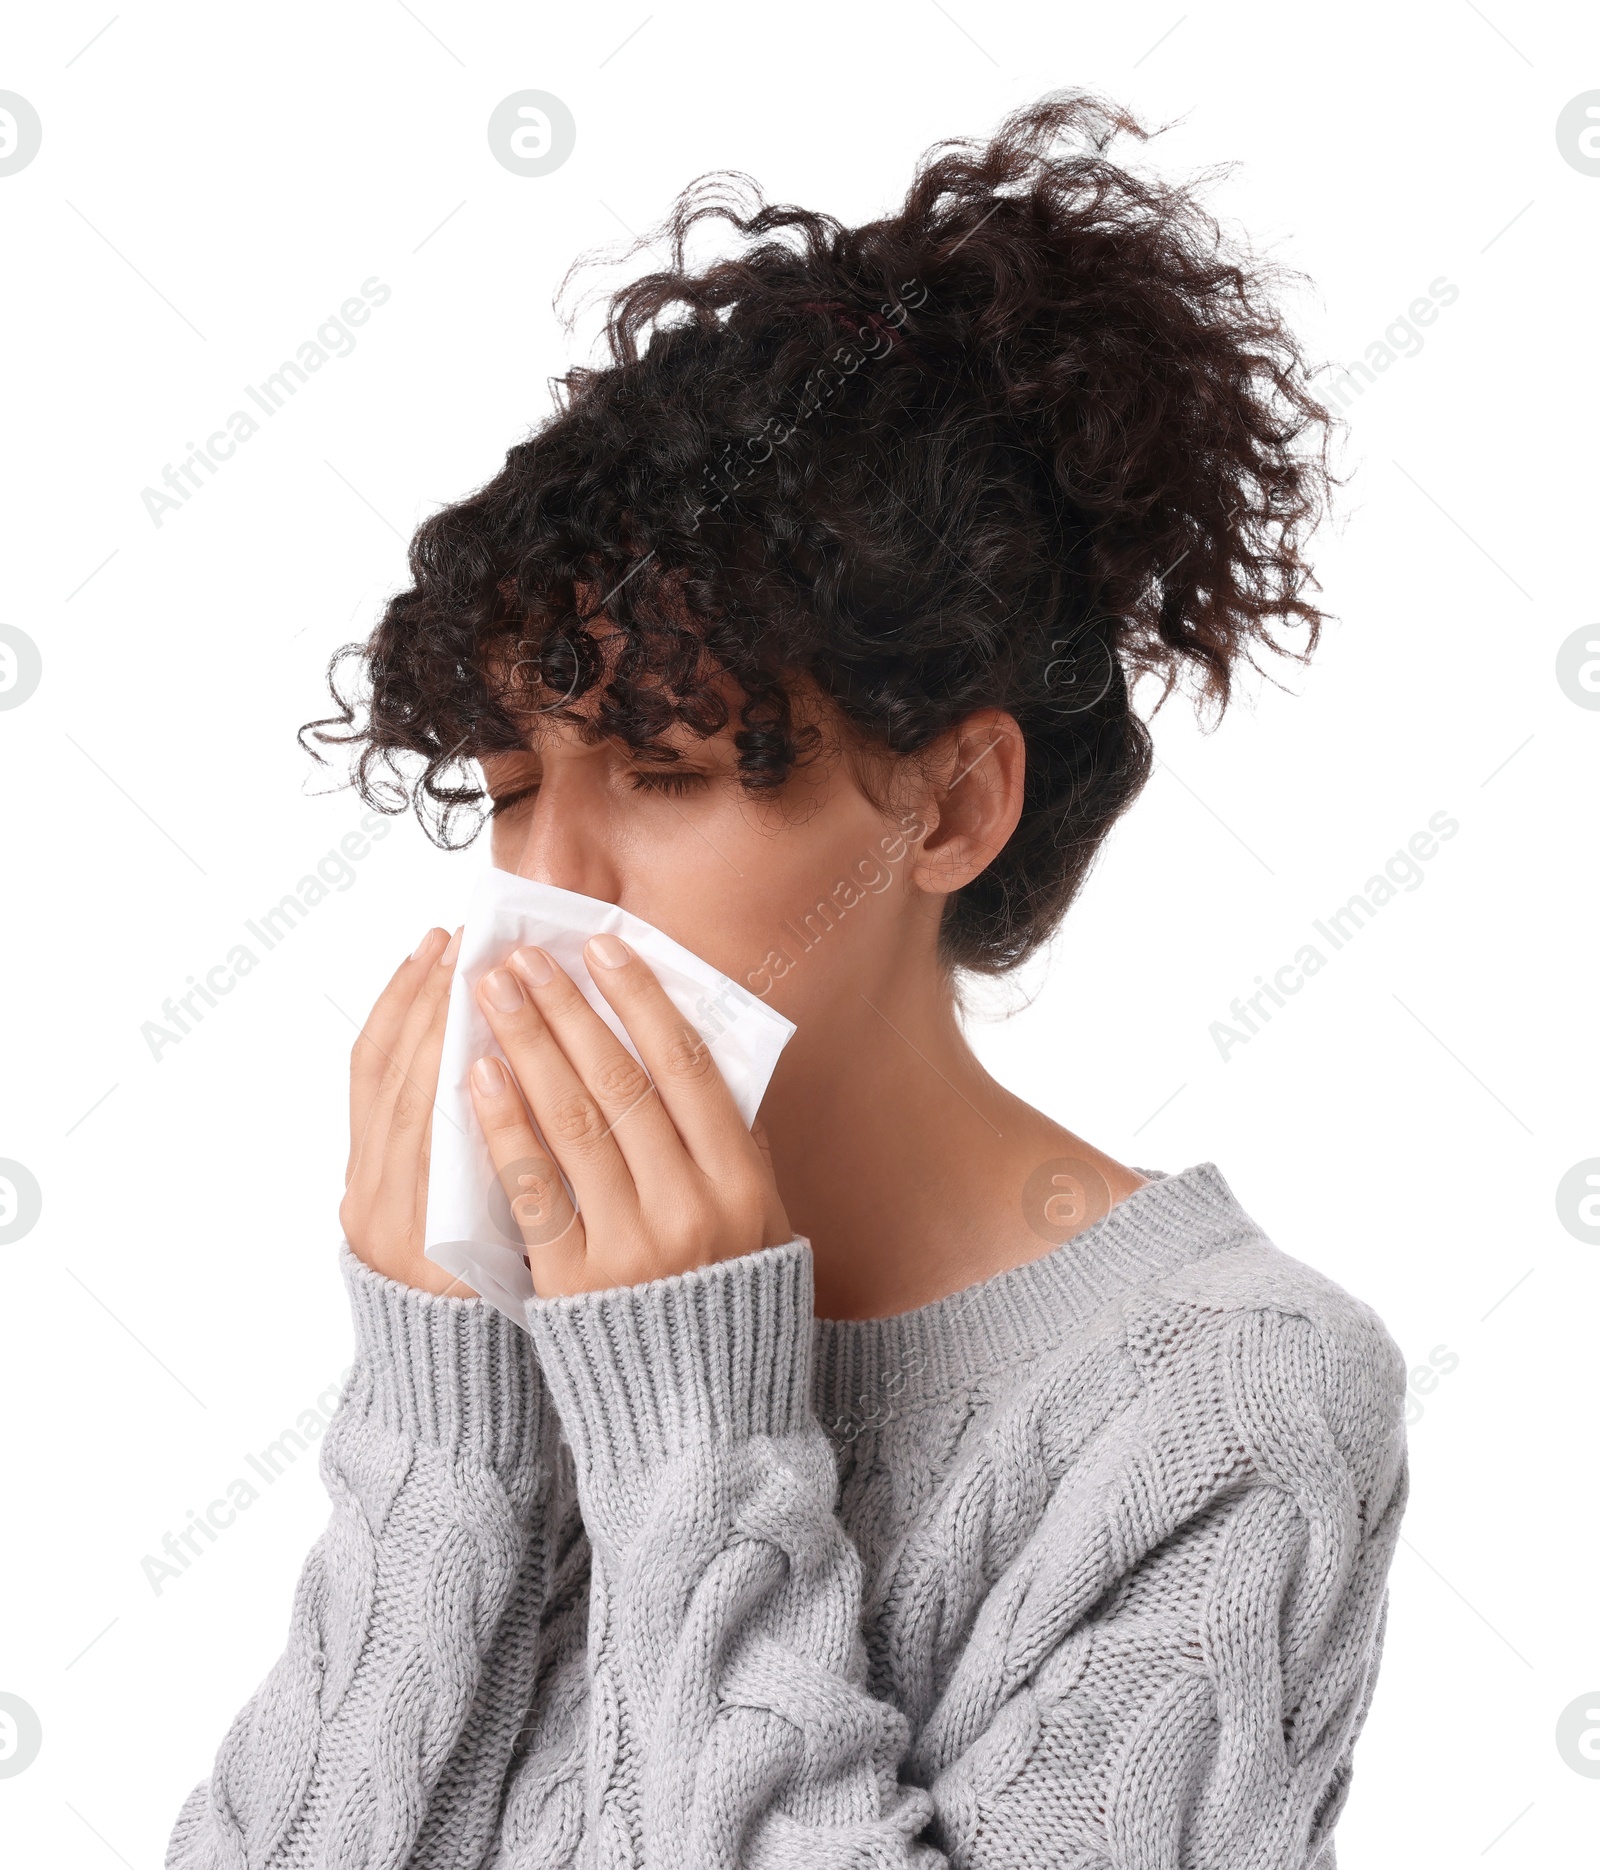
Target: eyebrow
[{"x": 591, "y": 734}]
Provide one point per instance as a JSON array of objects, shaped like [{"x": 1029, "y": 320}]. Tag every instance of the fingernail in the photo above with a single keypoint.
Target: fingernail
[
  {"x": 489, "y": 1075},
  {"x": 534, "y": 965},
  {"x": 424, "y": 945},
  {"x": 502, "y": 989},
  {"x": 450, "y": 948},
  {"x": 608, "y": 950}
]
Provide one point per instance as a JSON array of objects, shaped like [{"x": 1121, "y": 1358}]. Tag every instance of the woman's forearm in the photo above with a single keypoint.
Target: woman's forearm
[{"x": 417, "y": 1634}]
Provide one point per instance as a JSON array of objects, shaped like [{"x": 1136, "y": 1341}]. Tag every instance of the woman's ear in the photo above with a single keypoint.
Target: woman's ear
[{"x": 970, "y": 800}]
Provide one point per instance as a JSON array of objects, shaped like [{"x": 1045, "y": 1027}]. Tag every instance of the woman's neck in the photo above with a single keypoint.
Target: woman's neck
[{"x": 913, "y": 1172}]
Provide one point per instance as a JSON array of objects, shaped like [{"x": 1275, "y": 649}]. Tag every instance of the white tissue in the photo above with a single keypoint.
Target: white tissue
[{"x": 745, "y": 1035}]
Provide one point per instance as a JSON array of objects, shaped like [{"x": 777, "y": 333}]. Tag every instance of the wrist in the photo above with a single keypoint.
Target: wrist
[
  {"x": 644, "y": 1374},
  {"x": 448, "y": 1372}
]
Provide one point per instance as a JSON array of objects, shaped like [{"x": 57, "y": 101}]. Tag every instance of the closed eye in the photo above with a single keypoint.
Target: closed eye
[
  {"x": 675, "y": 784},
  {"x": 508, "y": 799}
]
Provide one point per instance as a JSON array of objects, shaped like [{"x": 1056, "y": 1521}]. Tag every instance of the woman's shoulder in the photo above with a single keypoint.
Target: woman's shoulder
[
  {"x": 1188, "y": 1242},
  {"x": 1219, "y": 1311}
]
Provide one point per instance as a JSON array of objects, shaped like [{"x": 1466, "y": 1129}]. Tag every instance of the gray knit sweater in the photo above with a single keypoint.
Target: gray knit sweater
[{"x": 1083, "y": 1566}]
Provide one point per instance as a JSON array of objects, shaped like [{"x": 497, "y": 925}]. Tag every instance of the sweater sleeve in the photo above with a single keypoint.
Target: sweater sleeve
[
  {"x": 1169, "y": 1667},
  {"x": 418, "y": 1633},
  {"x": 728, "y": 1722}
]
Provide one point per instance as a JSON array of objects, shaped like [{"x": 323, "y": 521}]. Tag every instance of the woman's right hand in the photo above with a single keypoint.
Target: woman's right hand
[{"x": 394, "y": 1073}]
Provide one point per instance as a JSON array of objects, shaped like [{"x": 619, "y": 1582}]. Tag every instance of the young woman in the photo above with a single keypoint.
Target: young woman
[{"x": 907, "y": 1483}]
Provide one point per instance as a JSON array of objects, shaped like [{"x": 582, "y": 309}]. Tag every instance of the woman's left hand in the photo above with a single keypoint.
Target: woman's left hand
[{"x": 666, "y": 1174}]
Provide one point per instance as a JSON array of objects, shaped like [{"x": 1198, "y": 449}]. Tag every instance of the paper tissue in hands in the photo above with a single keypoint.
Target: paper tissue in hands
[{"x": 470, "y": 1229}]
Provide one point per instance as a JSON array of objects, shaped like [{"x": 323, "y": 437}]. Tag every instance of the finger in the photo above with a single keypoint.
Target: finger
[
  {"x": 530, "y": 1183},
  {"x": 395, "y": 1215},
  {"x": 619, "y": 1084},
  {"x": 566, "y": 1111},
  {"x": 434, "y": 987},
  {"x": 688, "y": 1080},
  {"x": 377, "y": 1037}
]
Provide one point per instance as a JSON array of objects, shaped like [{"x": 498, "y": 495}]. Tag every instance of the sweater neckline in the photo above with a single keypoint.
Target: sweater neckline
[{"x": 866, "y": 1369}]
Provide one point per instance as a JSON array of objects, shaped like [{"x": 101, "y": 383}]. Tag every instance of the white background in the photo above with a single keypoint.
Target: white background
[{"x": 213, "y": 182}]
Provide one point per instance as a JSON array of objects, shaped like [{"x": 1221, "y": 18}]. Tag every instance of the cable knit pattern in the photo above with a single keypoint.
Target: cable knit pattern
[{"x": 1083, "y": 1566}]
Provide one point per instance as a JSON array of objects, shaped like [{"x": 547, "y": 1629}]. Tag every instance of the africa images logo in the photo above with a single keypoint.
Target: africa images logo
[
  {"x": 20, "y": 133},
  {"x": 1402, "y": 872}
]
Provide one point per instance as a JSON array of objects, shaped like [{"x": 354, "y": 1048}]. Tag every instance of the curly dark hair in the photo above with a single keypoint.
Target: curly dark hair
[{"x": 1036, "y": 434}]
